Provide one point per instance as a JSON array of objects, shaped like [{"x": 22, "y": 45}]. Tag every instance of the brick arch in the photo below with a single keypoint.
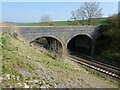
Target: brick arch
[
  {"x": 80, "y": 43},
  {"x": 77, "y": 35},
  {"x": 47, "y": 36}
]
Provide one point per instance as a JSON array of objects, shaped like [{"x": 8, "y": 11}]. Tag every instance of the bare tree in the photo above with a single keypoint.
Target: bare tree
[
  {"x": 88, "y": 11},
  {"x": 46, "y": 19}
]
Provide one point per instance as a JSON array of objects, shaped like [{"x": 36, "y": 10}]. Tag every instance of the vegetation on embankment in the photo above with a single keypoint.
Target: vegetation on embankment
[
  {"x": 26, "y": 66},
  {"x": 108, "y": 44}
]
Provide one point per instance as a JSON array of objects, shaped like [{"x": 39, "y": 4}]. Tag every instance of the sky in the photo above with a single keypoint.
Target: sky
[{"x": 58, "y": 11}]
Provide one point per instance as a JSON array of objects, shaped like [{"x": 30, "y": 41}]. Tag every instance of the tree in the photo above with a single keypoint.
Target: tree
[
  {"x": 88, "y": 11},
  {"x": 113, "y": 21},
  {"x": 46, "y": 20},
  {"x": 78, "y": 15}
]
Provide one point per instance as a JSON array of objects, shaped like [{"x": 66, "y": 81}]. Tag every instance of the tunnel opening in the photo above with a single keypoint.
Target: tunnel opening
[
  {"x": 49, "y": 43},
  {"x": 80, "y": 44}
]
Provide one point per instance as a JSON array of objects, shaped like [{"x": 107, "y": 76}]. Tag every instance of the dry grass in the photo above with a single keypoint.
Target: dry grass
[
  {"x": 9, "y": 29},
  {"x": 24, "y": 65}
]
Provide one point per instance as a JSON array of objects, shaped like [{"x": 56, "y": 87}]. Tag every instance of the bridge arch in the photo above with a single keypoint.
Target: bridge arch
[
  {"x": 49, "y": 42},
  {"x": 81, "y": 43}
]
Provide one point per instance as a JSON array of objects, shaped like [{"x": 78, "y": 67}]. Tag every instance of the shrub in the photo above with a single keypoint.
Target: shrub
[
  {"x": 112, "y": 21},
  {"x": 9, "y": 29},
  {"x": 15, "y": 34}
]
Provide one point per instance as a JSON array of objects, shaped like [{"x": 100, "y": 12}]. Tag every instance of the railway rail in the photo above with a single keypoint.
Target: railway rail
[
  {"x": 99, "y": 66},
  {"x": 102, "y": 61}
]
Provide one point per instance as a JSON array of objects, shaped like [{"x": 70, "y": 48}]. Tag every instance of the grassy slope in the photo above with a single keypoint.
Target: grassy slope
[
  {"x": 108, "y": 44},
  {"x": 24, "y": 65},
  {"x": 108, "y": 47}
]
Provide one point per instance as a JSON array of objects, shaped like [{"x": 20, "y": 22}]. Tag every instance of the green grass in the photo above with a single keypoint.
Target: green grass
[
  {"x": 66, "y": 23},
  {"x": 108, "y": 47},
  {"x": 11, "y": 52},
  {"x": 23, "y": 63},
  {"x": 16, "y": 57},
  {"x": 56, "y": 23}
]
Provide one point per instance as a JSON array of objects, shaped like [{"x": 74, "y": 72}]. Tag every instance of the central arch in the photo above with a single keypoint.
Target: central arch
[
  {"x": 80, "y": 43},
  {"x": 50, "y": 43}
]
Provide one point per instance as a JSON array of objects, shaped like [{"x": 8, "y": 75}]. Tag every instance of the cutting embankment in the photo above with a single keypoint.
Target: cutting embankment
[{"x": 27, "y": 66}]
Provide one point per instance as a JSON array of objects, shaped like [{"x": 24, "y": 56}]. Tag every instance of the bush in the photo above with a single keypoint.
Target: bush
[
  {"x": 15, "y": 34},
  {"x": 108, "y": 44},
  {"x": 9, "y": 29},
  {"x": 112, "y": 22}
]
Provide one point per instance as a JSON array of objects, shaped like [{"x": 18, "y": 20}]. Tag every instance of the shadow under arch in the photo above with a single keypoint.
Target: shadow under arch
[
  {"x": 49, "y": 43},
  {"x": 80, "y": 43}
]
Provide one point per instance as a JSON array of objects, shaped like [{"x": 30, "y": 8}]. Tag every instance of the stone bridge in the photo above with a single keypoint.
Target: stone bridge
[{"x": 77, "y": 38}]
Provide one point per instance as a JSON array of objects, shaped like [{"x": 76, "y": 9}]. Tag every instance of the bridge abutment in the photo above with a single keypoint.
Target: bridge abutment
[{"x": 93, "y": 47}]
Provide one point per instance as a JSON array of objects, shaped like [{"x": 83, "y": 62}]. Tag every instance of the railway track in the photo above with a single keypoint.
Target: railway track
[{"x": 99, "y": 66}]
